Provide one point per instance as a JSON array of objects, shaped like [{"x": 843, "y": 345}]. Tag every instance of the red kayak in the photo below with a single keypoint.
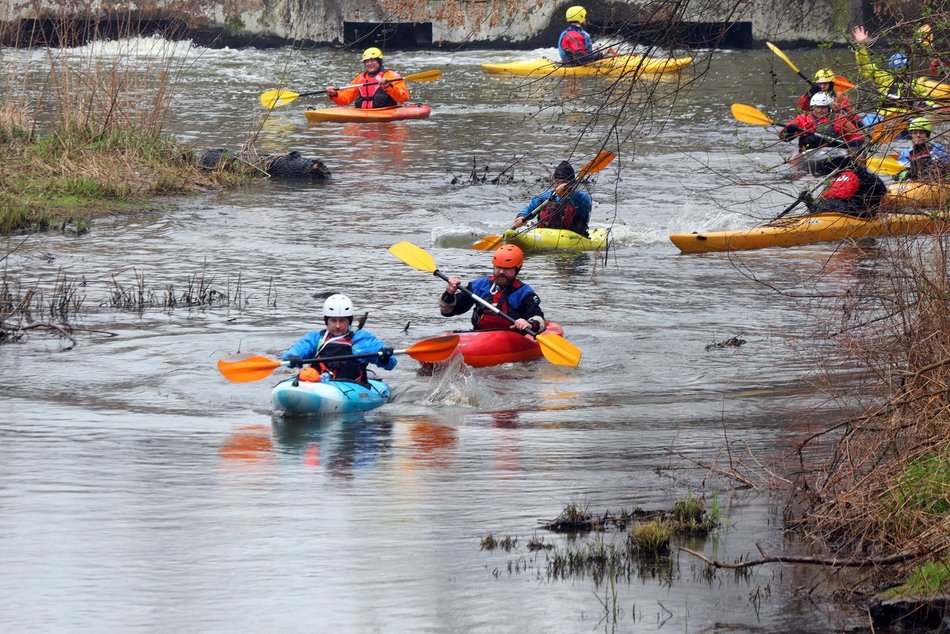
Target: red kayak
[{"x": 481, "y": 348}]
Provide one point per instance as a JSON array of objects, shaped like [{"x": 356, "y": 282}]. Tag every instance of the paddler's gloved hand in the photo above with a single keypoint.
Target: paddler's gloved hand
[
  {"x": 808, "y": 199},
  {"x": 790, "y": 130},
  {"x": 385, "y": 355},
  {"x": 902, "y": 176},
  {"x": 294, "y": 361}
]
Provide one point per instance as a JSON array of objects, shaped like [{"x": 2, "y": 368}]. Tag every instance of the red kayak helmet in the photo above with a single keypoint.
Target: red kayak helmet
[{"x": 508, "y": 256}]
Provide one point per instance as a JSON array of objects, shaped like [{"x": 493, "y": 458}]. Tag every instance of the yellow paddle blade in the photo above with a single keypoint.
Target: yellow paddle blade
[
  {"x": 783, "y": 56},
  {"x": 244, "y": 368},
  {"x": 276, "y": 98},
  {"x": 426, "y": 75},
  {"x": 434, "y": 349},
  {"x": 488, "y": 243},
  {"x": 748, "y": 114},
  {"x": 413, "y": 256},
  {"x": 559, "y": 350},
  {"x": 885, "y": 165}
]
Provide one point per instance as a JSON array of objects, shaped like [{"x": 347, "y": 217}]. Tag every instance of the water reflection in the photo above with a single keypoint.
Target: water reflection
[{"x": 341, "y": 445}]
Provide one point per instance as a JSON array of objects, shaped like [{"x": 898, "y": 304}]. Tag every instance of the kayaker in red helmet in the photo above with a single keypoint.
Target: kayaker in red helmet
[
  {"x": 385, "y": 89},
  {"x": 503, "y": 289},
  {"x": 562, "y": 207},
  {"x": 339, "y": 339}
]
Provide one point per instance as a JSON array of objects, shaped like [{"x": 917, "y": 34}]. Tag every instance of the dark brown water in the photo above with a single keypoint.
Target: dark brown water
[{"x": 140, "y": 491}]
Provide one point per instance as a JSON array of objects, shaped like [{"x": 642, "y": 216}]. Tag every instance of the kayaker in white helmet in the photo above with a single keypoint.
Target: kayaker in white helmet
[
  {"x": 574, "y": 44},
  {"x": 384, "y": 88},
  {"x": 564, "y": 206},
  {"x": 503, "y": 289},
  {"x": 339, "y": 339},
  {"x": 821, "y": 127}
]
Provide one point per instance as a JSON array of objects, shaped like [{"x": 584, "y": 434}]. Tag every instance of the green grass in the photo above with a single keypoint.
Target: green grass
[
  {"x": 650, "y": 539},
  {"x": 75, "y": 174},
  {"x": 929, "y": 579},
  {"x": 925, "y": 485}
]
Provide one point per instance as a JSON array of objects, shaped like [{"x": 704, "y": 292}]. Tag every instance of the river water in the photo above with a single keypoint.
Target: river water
[{"x": 141, "y": 491}]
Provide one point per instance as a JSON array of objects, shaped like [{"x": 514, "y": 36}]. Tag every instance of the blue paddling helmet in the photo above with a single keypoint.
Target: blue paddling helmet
[{"x": 897, "y": 60}]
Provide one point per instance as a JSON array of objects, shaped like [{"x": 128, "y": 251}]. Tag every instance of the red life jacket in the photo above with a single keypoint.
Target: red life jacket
[
  {"x": 372, "y": 96},
  {"x": 344, "y": 370},
  {"x": 488, "y": 320},
  {"x": 843, "y": 187},
  {"x": 557, "y": 215}
]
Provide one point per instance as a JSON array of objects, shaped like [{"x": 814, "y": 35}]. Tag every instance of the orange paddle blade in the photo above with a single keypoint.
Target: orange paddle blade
[
  {"x": 596, "y": 164},
  {"x": 244, "y": 368},
  {"x": 488, "y": 243},
  {"x": 842, "y": 84},
  {"x": 434, "y": 349}
]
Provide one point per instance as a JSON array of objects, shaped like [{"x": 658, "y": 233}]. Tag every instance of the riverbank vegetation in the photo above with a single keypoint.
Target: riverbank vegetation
[{"x": 81, "y": 133}]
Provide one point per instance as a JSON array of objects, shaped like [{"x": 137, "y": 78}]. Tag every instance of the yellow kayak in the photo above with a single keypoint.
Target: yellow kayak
[
  {"x": 917, "y": 194},
  {"x": 823, "y": 227},
  {"x": 557, "y": 240},
  {"x": 932, "y": 89},
  {"x": 632, "y": 65}
]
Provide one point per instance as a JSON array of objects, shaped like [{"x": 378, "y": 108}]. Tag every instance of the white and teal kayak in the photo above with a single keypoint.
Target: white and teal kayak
[{"x": 304, "y": 398}]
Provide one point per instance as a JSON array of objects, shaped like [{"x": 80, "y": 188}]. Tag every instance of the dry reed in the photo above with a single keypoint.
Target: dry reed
[{"x": 885, "y": 492}]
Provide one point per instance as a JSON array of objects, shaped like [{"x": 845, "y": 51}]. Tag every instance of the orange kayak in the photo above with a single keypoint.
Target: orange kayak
[
  {"x": 347, "y": 114},
  {"x": 809, "y": 229}
]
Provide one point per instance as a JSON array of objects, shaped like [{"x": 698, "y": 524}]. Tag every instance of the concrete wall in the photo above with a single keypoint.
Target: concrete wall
[{"x": 508, "y": 23}]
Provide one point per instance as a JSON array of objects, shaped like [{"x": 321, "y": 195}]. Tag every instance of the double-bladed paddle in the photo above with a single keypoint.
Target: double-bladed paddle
[
  {"x": 555, "y": 348},
  {"x": 841, "y": 84},
  {"x": 243, "y": 368},
  {"x": 592, "y": 166},
  {"x": 277, "y": 98},
  {"x": 754, "y": 116}
]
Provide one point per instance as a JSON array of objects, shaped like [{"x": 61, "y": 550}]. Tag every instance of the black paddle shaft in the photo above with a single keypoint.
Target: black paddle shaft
[{"x": 481, "y": 301}]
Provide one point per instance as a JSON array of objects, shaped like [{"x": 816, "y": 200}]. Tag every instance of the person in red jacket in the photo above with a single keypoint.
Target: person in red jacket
[
  {"x": 825, "y": 82},
  {"x": 383, "y": 88},
  {"x": 854, "y": 191},
  {"x": 820, "y": 127}
]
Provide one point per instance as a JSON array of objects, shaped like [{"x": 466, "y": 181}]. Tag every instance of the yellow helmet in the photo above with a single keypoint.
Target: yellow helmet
[
  {"x": 825, "y": 76},
  {"x": 920, "y": 123},
  {"x": 577, "y": 14},
  {"x": 372, "y": 53},
  {"x": 925, "y": 35}
]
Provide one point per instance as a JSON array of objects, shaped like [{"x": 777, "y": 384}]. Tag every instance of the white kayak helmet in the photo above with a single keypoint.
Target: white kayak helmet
[
  {"x": 821, "y": 99},
  {"x": 337, "y": 306}
]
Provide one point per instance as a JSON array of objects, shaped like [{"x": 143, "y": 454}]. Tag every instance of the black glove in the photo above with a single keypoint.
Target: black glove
[
  {"x": 808, "y": 199},
  {"x": 294, "y": 361},
  {"x": 385, "y": 354},
  {"x": 790, "y": 130}
]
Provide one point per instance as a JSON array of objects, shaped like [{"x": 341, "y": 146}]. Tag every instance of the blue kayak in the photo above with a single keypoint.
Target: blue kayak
[{"x": 304, "y": 398}]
